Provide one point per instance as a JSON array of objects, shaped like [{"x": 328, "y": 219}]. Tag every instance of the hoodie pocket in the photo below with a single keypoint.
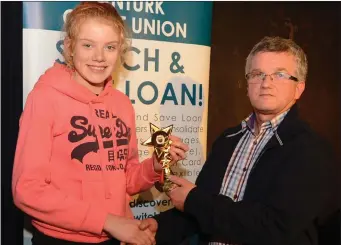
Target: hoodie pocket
[
  {"x": 71, "y": 187},
  {"x": 93, "y": 191}
]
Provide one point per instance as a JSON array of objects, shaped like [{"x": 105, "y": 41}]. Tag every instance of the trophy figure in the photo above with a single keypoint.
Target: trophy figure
[{"x": 160, "y": 140}]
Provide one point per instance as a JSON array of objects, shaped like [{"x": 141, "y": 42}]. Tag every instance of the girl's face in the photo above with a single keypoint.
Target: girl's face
[{"x": 95, "y": 52}]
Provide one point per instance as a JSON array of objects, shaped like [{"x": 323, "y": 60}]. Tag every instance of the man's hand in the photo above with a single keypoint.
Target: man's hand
[
  {"x": 177, "y": 150},
  {"x": 179, "y": 194},
  {"x": 150, "y": 224}
]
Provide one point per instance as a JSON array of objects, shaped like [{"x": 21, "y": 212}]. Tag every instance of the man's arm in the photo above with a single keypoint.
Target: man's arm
[
  {"x": 295, "y": 200},
  {"x": 175, "y": 226}
]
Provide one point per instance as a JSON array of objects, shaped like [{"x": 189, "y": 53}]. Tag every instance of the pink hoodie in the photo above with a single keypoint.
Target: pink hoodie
[{"x": 77, "y": 158}]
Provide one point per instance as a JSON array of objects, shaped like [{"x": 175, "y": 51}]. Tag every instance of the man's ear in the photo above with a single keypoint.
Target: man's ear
[{"x": 299, "y": 90}]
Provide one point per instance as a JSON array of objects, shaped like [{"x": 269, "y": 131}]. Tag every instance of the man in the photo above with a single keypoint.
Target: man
[{"x": 267, "y": 181}]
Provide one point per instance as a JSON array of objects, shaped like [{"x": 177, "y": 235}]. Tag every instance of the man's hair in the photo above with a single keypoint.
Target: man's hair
[{"x": 281, "y": 45}]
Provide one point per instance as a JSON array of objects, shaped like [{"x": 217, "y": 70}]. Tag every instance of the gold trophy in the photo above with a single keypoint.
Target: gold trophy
[{"x": 160, "y": 140}]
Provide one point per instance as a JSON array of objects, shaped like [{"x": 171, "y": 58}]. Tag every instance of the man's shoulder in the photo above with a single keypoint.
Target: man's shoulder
[
  {"x": 308, "y": 141},
  {"x": 232, "y": 131},
  {"x": 309, "y": 135}
]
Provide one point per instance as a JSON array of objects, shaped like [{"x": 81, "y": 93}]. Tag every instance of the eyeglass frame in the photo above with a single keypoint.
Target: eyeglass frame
[{"x": 288, "y": 76}]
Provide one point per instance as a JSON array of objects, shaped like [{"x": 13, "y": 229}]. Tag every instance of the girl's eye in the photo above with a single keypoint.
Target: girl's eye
[{"x": 87, "y": 45}]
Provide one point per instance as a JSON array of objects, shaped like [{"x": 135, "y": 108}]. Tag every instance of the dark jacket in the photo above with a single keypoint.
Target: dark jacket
[{"x": 291, "y": 188}]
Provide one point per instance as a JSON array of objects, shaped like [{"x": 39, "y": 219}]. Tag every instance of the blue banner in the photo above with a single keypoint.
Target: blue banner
[{"x": 184, "y": 22}]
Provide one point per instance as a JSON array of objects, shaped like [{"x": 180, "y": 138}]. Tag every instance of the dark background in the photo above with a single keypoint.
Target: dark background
[
  {"x": 315, "y": 26},
  {"x": 237, "y": 26}
]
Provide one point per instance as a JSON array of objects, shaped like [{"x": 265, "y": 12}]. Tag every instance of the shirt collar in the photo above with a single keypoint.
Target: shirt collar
[{"x": 249, "y": 122}]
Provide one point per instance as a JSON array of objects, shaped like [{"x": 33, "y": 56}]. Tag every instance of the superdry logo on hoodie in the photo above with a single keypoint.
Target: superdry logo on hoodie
[{"x": 84, "y": 129}]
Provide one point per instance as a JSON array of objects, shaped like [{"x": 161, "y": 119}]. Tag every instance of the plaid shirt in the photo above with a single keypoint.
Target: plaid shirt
[{"x": 245, "y": 155}]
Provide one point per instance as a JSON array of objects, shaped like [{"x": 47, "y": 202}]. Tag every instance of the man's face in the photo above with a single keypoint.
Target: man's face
[{"x": 269, "y": 96}]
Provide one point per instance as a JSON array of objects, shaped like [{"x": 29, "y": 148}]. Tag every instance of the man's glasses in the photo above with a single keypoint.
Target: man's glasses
[{"x": 279, "y": 76}]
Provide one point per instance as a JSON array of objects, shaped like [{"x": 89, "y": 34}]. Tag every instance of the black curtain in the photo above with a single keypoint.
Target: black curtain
[{"x": 11, "y": 108}]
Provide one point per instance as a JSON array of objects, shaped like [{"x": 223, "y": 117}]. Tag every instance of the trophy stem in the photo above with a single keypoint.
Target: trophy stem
[{"x": 167, "y": 184}]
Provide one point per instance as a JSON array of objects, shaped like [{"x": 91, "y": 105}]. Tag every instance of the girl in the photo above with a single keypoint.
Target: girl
[{"x": 76, "y": 159}]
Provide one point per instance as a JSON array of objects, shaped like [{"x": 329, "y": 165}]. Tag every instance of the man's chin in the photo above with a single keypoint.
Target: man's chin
[{"x": 265, "y": 110}]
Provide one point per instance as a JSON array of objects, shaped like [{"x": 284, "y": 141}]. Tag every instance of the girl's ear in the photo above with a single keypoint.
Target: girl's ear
[{"x": 68, "y": 46}]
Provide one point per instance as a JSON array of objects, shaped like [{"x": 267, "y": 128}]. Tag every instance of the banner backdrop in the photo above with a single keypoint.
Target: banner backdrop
[{"x": 166, "y": 74}]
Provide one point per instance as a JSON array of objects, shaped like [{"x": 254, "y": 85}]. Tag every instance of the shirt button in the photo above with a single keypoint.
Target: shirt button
[
  {"x": 244, "y": 169},
  {"x": 255, "y": 142},
  {"x": 235, "y": 197}
]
